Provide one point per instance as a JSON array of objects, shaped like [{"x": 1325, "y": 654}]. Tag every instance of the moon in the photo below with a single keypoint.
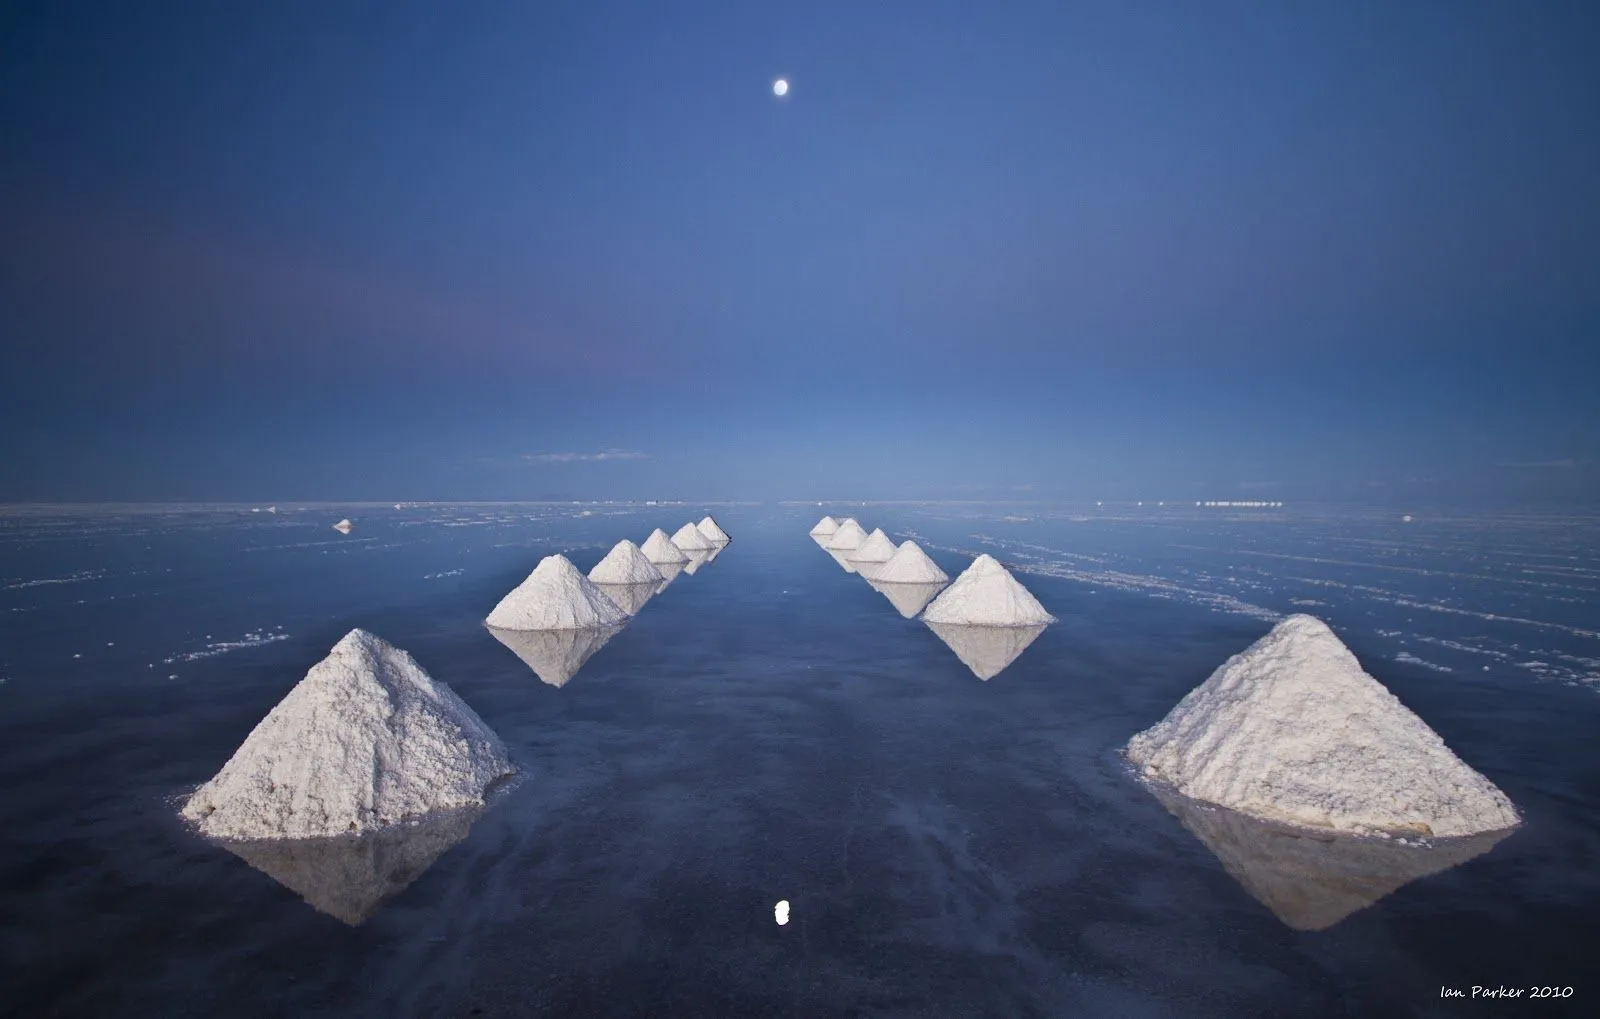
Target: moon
[{"x": 780, "y": 88}]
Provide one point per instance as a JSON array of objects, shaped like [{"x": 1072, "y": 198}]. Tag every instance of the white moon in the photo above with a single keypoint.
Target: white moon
[{"x": 780, "y": 87}]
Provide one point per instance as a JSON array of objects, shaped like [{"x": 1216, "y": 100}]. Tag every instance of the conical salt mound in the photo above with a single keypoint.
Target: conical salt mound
[
  {"x": 555, "y": 597},
  {"x": 689, "y": 539},
  {"x": 910, "y": 565},
  {"x": 877, "y": 548},
  {"x": 825, "y": 528},
  {"x": 987, "y": 650},
  {"x": 1293, "y": 730},
  {"x": 659, "y": 549},
  {"x": 625, "y": 564},
  {"x": 555, "y": 656},
  {"x": 630, "y": 598},
  {"x": 366, "y": 739},
  {"x": 1313, "y": 879},
  {"x": 696, "y": 560},
  {"x": 986, "y": 595},
  {"x": 344, "y": 526},
  {"x": 349, "y": 877},
  {"x": 909, "y": 599},
  {"x": 712, "y": 531},
  {"x": 849, "y": 536}
]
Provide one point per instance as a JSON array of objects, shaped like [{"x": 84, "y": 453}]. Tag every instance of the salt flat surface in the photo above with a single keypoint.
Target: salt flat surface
[
  {"x": 1293, "y": 730},
  {"x": 366, "y": 739}
]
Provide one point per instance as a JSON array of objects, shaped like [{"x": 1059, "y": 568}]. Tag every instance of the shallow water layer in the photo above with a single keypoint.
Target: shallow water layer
[{"x": 770, "y": 727}]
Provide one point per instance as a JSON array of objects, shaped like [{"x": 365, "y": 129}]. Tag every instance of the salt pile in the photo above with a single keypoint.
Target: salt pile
[
  {"x": 555, "y": 656},
  {"x": 1293, "y": 730},
  {"x": 344, "y": 526},
  {"x": 877, "y": 548},
  {"x": 849, "y": 536},
  {"x": 625, "y": 564},
  {"x": 986, "y": 595},
  {"x": 1312, "y": 880},
  {"x": 659, "y": 549},
  {"x": 909, "y": 599},
  {"x": 630, "y": 598},
  {"x": 712, "y": 531},
  {"x": 910, "y": 565},
  {"x": 366, "y": 739},
  {"x": 696, "y": 560},
  {"x": 555, "y": 597},
  {"x": 689, "y": 539},
  {"x": 349, "y": 876},
  {"x": 824, "y": 529},
  {"x": 987, "y": 650}
]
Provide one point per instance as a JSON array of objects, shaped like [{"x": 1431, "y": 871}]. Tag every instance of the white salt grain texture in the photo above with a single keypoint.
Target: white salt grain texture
[
  {"x": 556, "y": 596},
  {"x": 367, "y": 739},
  {"x": 625, "y": 564},
  {"x": 849, "y": 536},
  {"x": 659, "y": 549},
  {"x": 825, "y": 527},
  {"x": 877, "y": 548},
  {"x": 712, "y": 531},
  {"x": 689, "y": 539},
  {"x": 910, "y": 565},
  {"x": 1293, "y": 730},
  {"x": 986, "y": 595}
]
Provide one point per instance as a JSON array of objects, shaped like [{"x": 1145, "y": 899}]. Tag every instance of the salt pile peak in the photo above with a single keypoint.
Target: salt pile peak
[
  {"x": 1293, "y": 730},
  {"x": 876, "y": 548},
  {"x": 366, "y": 739},
  {"x": 344, "y": 526},
  {"x": 848, "y": 536},
  {"x": 712, "y": 531},
  {"x": 689, "y": 539},
  {"x": 986, "y": 595},
  {"x": 625, "y": 564},
  {"x": 825, "y": 527},
  {"x": 556, "y": 596},
  {"x": 910, "y": 565},
  {"x": 659, "y": 549}
]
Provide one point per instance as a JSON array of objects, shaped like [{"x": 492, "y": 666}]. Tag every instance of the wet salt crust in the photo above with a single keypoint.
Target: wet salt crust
[
  {"x": 367, "y": 739},
  {"x": 1293, "y": 730}
]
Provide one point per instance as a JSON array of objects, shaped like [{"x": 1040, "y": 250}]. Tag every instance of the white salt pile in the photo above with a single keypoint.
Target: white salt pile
[
  {"x": 659, "y": 549},
  {"x": 877, "y": 548},
  {"x": 630, "y": 598},
  {"x": 344, "y": 526},
  {"x": 986, "y": 595},
  {"x": 712, "y": 531},
  {"x": 910, "y": 565},
  {"x": 849, "y": 535},
  {"x": 825, "y": 527},
  {"x": 1293, "y": 730},
  {"x": 366, "y": 739},
  {"x": 625, "y": 564},
  {"x": 689, "y": 539},
  {"x": 555, "y": 597}
]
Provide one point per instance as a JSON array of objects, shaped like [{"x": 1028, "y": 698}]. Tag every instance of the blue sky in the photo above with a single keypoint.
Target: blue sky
[{"x": 1050, "y": 250}]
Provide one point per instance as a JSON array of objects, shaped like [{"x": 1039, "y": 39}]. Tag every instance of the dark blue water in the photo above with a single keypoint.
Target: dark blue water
[{"x": 770, "y": 728}]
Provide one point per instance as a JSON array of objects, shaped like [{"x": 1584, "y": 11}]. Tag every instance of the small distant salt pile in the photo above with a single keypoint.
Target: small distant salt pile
[
  {"x": 712, "y": 531},
  {"x": 849, "y": 536},
  {"x": 555, "y": 597},
  {"x": 344, "y": 526},
  {"x": 625, "y": 564},
  {"x": 1293, "y": 730},
  {"x": 824, "y": 530},
  {"x": 690, "y": 540},
  {"x": 659, "y": 549},
  {"x": 986, "y": 595},
  {"x": 366, "y": 739},
  {"x": 910, "y": 565},
  {"x": 876, "y": 549}
]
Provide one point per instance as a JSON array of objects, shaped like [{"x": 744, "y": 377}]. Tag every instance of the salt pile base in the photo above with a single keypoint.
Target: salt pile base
[
  {"x": 987, "y": 650},
  {"x": 344, "y": 527},
  {"x": 1293, "y": 730},
  {"x": 349, "y": 876},
  {"x": 849, "y": 536},
  {"x": 625, "y": 564},
  {"x": 987, "y": 595},
  {"x": 1312, "y": 880},
  {"x": 659, "y": 549},
  {"x": 911, "y": 565},
  {"x": 630, "y": 598},
  {"x": 556, "y": 596},
  {"x": 555, "y": 656},
  {"x": 366, "y": 739},
  {"x": 877, "y": 548},
  {"x": 712, "y": 531},
  {"x": 909, "y": 599},
  {"x": 689, "y": 538}
]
